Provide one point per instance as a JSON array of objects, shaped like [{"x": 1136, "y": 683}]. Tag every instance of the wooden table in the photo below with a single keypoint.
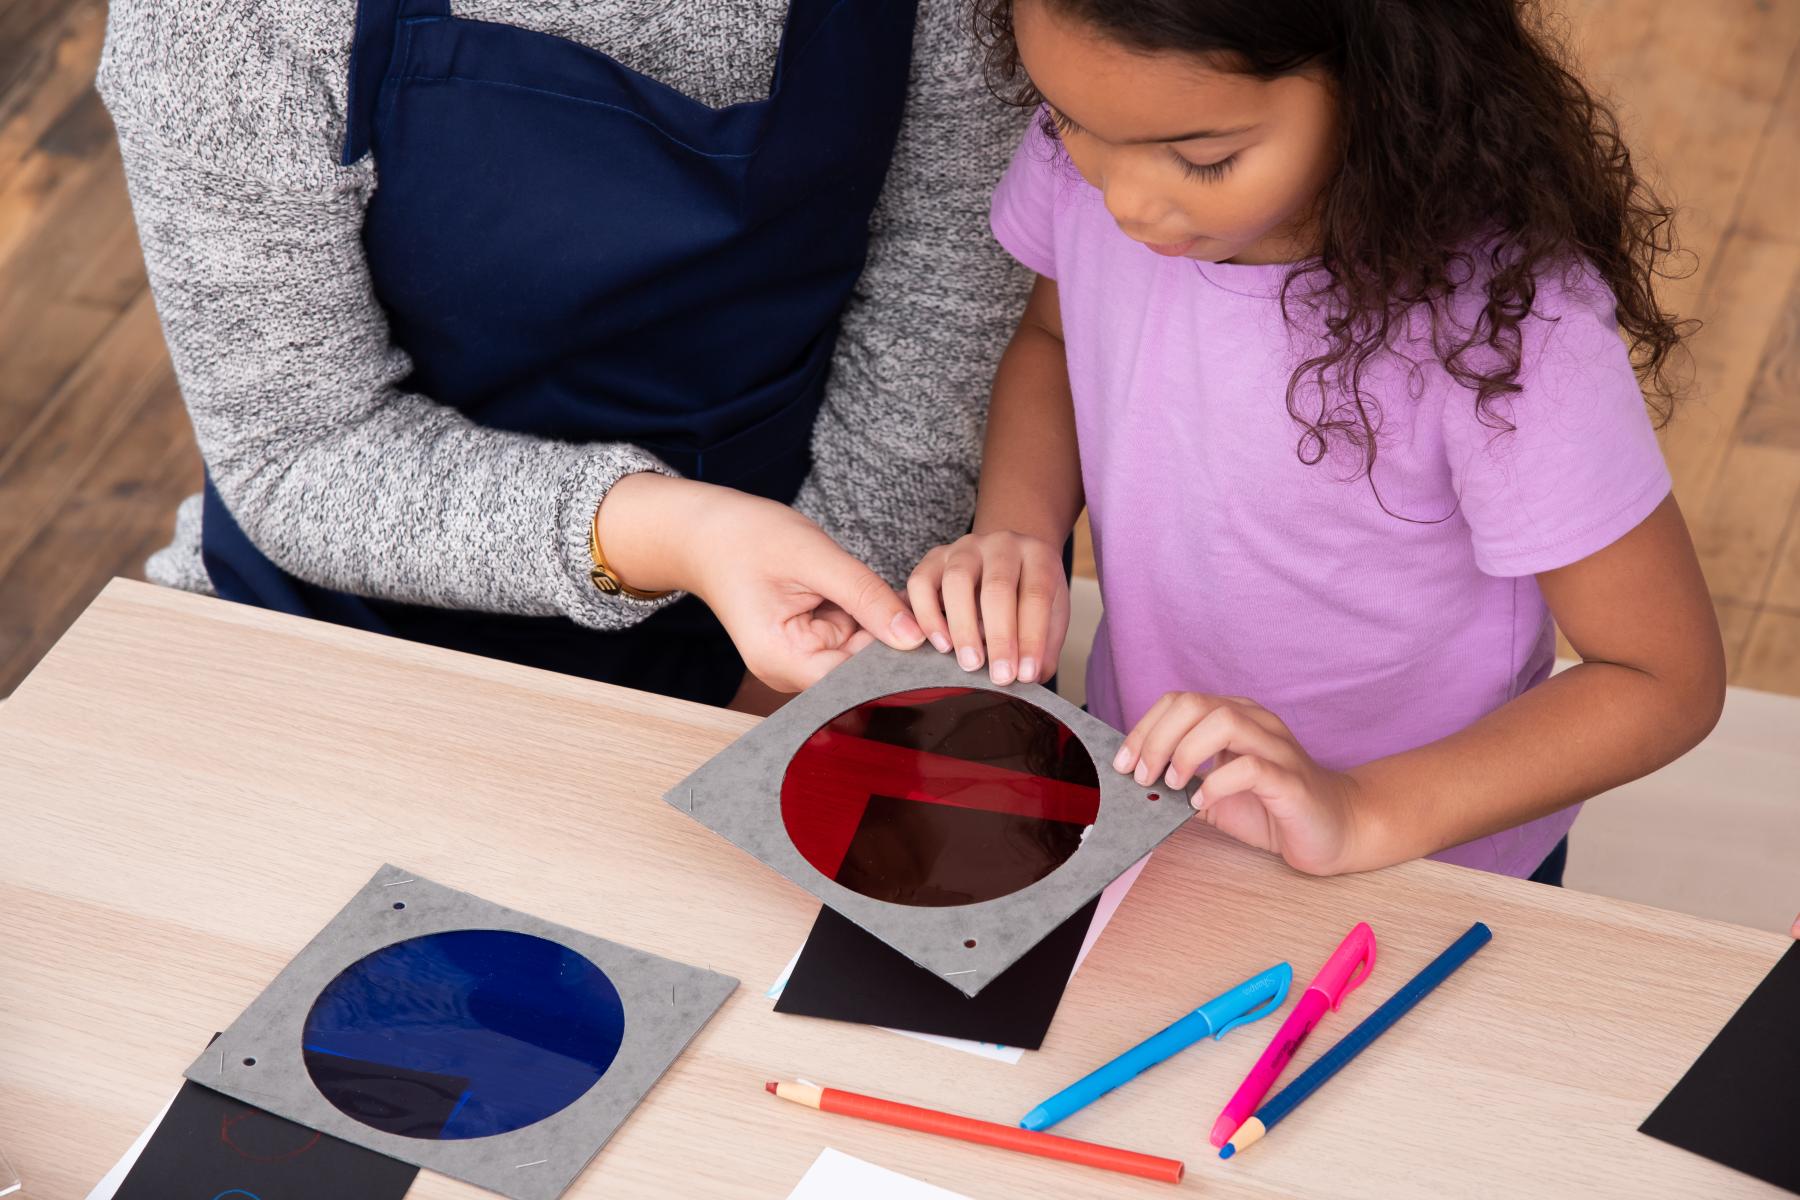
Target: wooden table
[{"x": 190, "y": 789}]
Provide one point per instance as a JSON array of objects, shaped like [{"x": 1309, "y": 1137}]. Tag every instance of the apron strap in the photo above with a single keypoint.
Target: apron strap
[{"x": 370, "y": 55}]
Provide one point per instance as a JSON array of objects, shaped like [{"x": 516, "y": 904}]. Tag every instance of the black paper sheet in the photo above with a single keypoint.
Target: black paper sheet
[
  {"x": 209, "y": 1145},
  {"x": 1739, "y": 1104},
  {"x": 847, "y": 974}
]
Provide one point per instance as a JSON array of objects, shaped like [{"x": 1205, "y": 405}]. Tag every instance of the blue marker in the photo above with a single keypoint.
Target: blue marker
[{"x": 1251, "y": 1000}]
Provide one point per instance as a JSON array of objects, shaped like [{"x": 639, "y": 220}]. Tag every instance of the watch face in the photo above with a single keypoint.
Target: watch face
[
  {"x": 938, "y": 797},
  {"x": 463, "y": 1034}
]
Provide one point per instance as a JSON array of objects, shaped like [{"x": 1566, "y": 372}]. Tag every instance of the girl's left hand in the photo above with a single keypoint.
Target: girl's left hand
[{"x": 1264, "y": 789}]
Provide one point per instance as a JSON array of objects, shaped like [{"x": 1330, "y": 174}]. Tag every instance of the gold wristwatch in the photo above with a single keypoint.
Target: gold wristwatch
[{"x": 603, "y": 576}]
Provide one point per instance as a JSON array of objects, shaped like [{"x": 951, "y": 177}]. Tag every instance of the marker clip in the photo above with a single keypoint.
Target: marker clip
[
  {"x": 1280, "y": 976},
  {"x": 1354, "y": 959}
]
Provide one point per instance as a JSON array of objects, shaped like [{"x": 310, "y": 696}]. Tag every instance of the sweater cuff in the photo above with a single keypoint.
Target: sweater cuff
[{"x": 584, "y": 484}]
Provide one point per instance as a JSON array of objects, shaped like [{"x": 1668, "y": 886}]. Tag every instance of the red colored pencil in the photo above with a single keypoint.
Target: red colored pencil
[{"x": 988, "y": 1133}]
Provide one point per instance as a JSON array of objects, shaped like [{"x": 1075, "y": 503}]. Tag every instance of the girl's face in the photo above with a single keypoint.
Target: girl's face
[{"x": 1194, "y": 161}]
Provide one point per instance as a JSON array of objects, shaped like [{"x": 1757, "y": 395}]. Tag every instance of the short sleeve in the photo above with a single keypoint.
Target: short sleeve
[
  {"x": 1581, "y": 467},
  {"x": 1023, "y": 212}
]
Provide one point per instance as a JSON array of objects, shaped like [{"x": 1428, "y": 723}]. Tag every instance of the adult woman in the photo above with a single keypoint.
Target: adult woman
[{"x": 438, "y": 283}]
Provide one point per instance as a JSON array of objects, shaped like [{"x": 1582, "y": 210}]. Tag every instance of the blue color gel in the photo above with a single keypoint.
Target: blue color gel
[{"x": 463, "y": 1034}]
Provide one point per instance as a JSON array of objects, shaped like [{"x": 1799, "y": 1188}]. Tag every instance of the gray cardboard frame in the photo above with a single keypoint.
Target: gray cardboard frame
[
  {"x": 737, "y": 794},
  {"x": 666, "y": 1003}
]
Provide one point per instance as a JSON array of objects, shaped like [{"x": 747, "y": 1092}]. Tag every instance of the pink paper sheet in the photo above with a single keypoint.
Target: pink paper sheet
[{"x": 1109, "y": 904}]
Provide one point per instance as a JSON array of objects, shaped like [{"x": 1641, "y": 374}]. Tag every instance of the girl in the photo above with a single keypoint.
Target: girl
[{"x": 1326, "y": 336}]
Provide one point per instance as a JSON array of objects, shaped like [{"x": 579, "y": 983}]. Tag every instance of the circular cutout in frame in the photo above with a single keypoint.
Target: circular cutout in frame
[
  {"x": 462, "y": 1034},
  {"x": 938, "y": 797}
]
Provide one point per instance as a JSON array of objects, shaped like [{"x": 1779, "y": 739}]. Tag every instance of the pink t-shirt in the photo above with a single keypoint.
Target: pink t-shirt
[{"x": 1229, "y": 566}]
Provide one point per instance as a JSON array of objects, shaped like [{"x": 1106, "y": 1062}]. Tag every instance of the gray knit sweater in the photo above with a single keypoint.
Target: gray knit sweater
[{"x": 231, "y": 116}]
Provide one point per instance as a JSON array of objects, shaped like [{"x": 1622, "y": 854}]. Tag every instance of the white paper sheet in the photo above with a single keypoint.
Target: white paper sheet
[
  {"x": 835, "y": 1175},
  {"x": 110, "y": 1182}
]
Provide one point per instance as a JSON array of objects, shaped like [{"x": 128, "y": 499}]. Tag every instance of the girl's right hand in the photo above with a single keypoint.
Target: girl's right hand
[{"x": 1002, "y": 596}]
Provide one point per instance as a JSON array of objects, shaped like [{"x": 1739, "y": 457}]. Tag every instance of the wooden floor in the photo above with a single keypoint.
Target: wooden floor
[{"x": 95, "y": 450}]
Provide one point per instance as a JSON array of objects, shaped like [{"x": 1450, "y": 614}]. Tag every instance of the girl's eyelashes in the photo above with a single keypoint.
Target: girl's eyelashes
[
  {"x": 1058, "y": 126},
  {"x": 1208, "y": 172}
]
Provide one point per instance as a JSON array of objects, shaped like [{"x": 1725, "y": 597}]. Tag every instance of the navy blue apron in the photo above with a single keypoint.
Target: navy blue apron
[{"x": 570, "y": 249}]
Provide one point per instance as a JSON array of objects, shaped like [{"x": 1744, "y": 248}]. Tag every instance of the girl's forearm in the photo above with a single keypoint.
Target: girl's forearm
[
  {"x": 1579, "y": 733},
  {"x": 1650, "y": 685},
  {"x": 1031, "y": 471}
]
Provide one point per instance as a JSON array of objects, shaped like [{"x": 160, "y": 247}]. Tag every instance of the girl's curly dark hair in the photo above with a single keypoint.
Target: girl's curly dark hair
[{"x": 1465, "y": 134}]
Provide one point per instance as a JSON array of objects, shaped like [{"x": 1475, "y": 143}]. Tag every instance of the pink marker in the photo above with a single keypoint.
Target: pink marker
[{"x": 1347, "y": 967}]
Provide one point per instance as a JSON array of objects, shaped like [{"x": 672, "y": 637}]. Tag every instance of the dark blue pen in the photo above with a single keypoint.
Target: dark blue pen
[{"x": 1352, "y": 1044}]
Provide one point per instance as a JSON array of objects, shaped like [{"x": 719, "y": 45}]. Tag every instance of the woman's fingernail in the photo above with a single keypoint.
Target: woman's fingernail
[
  {"x": 906, "y": 628},
  {"x": 1028, "y": 670},
  {"x": 1198, "y": 800},
  {"x": 1122, "y": 759},
  {"x": 941, "y": 642},
  {"x": 1142, "y": 775},
  {"x": 1002, "y": 672},
  {"x": 1169, "y": 777},
  {"x": 968, "y": 658}
]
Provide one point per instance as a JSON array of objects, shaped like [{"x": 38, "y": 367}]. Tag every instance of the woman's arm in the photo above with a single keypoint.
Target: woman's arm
[
  {"x": 1000, "y": 593},
  {"x": 1650, "y": 685},
  {"x": 230, "y": 124},
  {"x": 231, "y": 120}
]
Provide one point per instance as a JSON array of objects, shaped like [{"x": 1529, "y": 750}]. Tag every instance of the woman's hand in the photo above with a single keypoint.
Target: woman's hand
[
  {"x": 1264, "y": 789},
  {"x": 795, "y": 604},
  {"x": 793, "y": 601},
  {"x": 1005, "y": 592}
]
